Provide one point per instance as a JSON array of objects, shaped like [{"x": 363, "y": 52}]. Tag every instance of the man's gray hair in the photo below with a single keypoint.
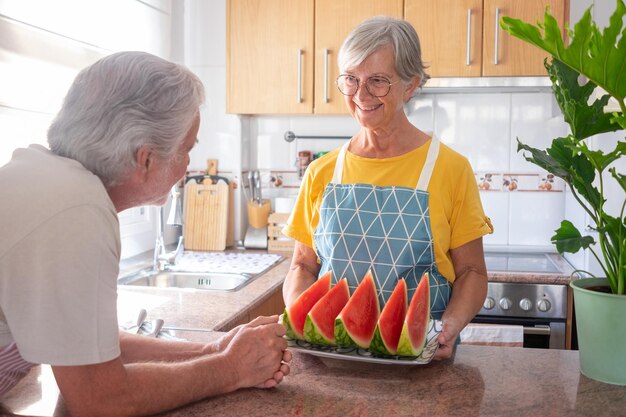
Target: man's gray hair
[
  {"x": 380, "y": 31},
  {"x": 120, "y": 103}
]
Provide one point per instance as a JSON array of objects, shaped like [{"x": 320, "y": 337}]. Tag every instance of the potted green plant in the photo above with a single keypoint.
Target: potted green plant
[{"x": 586, "y": 75}]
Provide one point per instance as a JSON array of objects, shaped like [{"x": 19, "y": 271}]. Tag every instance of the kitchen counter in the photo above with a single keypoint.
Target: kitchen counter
[
  {"x": 212, "y": 310},
  {"x": 479, "y": 381},
  {"x": 474, "y": 383}
]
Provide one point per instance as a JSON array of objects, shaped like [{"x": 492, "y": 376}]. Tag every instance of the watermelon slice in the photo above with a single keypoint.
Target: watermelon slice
[
  {"x": 391, "y": 321},
  {"x": 319, "y": 326},
  {"x": 357, "y": 321},
  {"x": 415, "y": 328},
  {"x": 295, "y": 314}
]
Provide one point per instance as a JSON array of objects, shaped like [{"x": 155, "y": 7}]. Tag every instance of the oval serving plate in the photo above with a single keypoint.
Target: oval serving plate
[{"x": 364, "y": 355}]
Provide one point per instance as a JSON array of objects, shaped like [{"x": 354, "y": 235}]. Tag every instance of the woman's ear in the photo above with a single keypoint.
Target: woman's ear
[{"x": 410, "y": 88}]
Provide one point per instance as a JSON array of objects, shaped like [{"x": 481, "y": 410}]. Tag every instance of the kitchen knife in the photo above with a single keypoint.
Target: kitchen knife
[
  {"x": 257, "y": 186},
  {"x": 251, "y": 185}
]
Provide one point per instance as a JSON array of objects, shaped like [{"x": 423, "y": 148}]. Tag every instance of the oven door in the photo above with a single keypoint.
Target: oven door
[{"x": 538, "y": 333}]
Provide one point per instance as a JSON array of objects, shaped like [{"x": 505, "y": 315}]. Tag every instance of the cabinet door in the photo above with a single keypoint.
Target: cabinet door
[
  {"x": 505, "y": 55},
  {"x": 450, "y": 33},
  {"x": 269, "y": 56},
  {"x": 333, "y": 21}
]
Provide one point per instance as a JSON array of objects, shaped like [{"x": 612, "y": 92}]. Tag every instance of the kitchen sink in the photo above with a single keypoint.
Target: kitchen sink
[{"x": 212, "y": 281}]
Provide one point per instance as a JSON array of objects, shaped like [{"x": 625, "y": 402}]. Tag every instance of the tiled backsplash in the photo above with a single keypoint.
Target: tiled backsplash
[{"x": 525, "y": 203}]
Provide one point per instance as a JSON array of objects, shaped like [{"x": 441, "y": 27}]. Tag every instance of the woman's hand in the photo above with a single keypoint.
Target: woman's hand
[
  {"x": 468, "y": 294},
  {"x": 447, "y": 338}
]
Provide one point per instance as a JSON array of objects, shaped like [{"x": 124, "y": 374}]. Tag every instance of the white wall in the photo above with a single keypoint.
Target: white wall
[{"x": 43, "y": 44}]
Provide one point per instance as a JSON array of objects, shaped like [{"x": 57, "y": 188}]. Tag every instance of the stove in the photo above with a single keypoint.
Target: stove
[
  {"x": 520, "y": 262},
  {"x": 540, "y": 308}
]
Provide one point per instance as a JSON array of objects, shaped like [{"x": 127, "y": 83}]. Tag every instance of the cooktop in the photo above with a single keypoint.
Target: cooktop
[{"x": 520, "y": 262}]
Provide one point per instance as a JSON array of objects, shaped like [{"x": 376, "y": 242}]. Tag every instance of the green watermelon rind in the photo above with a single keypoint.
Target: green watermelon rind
[
  {"x": 313, "y": 335},
  {"x": 342, "y": 338},
  {"x": 377, "y": 345},
  {"x": 290, "y": 332},
  {"x": 404, "y": 345}
]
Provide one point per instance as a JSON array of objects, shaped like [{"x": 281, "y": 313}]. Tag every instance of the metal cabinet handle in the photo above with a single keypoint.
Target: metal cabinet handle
[
  {"x": 325, "y": 75},
  {"x": 469, "y": 36},
  {"x": 299, "y": 75},
  {"x": 495, "y": 51},
  {"x": 537, "y": 330}
]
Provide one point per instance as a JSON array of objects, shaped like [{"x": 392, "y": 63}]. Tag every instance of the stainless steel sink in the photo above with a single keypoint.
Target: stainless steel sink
[{"x": 212, "y": 281}]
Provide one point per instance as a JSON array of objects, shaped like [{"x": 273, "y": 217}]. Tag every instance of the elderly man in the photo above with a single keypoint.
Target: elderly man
[{"x": 122, "y": 139}]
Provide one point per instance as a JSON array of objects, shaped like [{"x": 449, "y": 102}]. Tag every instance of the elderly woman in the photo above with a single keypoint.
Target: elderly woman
[
  {"x": 122, "y": 139},
  {"x": 393, "y": 199}
]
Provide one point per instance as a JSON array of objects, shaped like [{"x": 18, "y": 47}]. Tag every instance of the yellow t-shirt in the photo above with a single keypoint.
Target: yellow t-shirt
[{"x": 456, "y": 213}]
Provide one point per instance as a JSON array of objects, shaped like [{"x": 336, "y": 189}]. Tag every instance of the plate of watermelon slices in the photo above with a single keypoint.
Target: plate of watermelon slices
[
  {"x": 330, "y": 322},
  {"x": 366, "y": 355}
]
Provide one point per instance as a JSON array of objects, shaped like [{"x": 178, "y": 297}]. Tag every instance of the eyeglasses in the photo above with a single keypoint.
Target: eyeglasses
[{"x": 348, "y": 85}]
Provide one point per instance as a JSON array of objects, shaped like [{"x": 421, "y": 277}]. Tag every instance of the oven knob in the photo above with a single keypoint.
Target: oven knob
[
  {"x": 505, "y": 303},
  {"x": 525, "y": 304},
  {"x": 489, "y": 303},
  {"x": 544, "y": 305}
]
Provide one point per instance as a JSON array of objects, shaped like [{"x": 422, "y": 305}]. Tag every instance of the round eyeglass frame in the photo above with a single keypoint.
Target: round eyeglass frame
[{"x": 358, "y": 85}]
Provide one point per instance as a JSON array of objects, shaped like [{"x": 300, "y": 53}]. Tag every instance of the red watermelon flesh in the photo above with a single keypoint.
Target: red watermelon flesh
[
  {"x": 357, "y": 321},
  {"x": 295, "y": 314},
  {"x": 391, "y": 321},
  {"x": 415, "y": 328},
  {"x": 319, "y": 326}
]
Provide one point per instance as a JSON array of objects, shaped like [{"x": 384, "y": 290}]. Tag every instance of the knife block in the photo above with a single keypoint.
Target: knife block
[
  {"x": 256, "y": 235},
  {"x": 258, "y": 213}
]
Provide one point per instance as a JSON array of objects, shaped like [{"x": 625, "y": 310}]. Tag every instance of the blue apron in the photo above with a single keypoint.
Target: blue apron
[{"x": 383, "y": 229}]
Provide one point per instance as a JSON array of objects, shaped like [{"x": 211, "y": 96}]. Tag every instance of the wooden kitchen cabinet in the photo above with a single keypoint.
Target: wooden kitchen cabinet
[
  {"x": 504, "y": 54},
  {"x": 282, "y": 55},
  {"x": 333, "y": 21},
  {"x": 271, "y": 305},
  {"x": 269, "y": 56},
  {"x": 462, "y": 38},
  {"x": 450, "y": 33}
]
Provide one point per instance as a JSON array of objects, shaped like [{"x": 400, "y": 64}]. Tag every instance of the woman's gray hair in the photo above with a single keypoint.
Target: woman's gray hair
[
  {"x": 380, "y": 31},
  {"x": 120, "y": 103}
]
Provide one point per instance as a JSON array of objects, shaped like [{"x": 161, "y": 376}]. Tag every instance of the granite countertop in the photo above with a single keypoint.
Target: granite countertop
[{"x": 479, "y": 381}]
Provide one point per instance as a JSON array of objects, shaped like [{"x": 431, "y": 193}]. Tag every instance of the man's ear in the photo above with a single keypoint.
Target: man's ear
[{"x": 143, "y": 161}]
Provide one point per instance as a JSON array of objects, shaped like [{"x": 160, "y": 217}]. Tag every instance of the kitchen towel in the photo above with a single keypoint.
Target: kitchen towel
[{"x": 493, "y": 335}]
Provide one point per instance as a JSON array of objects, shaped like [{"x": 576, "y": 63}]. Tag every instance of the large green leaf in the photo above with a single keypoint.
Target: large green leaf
[
  {"x": 598, "y": 55},
  {"x": 584, "y": 119},
  {"x": 551, "y": 163},
  {"x": 569, "y": 239}
]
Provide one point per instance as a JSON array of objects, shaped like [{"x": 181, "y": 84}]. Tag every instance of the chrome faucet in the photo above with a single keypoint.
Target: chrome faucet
[{"x": 162, "y": 258}]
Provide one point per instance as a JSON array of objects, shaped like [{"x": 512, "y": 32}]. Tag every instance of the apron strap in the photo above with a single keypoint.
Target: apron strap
[
  {"x": 429, "y": 165},
  {"x": 338, "y": 173},
  {"x": 427, "y": 170}
]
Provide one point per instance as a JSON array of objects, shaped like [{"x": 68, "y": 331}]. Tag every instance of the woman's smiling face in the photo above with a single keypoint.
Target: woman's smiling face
[{"x": 377, "y": 112}]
